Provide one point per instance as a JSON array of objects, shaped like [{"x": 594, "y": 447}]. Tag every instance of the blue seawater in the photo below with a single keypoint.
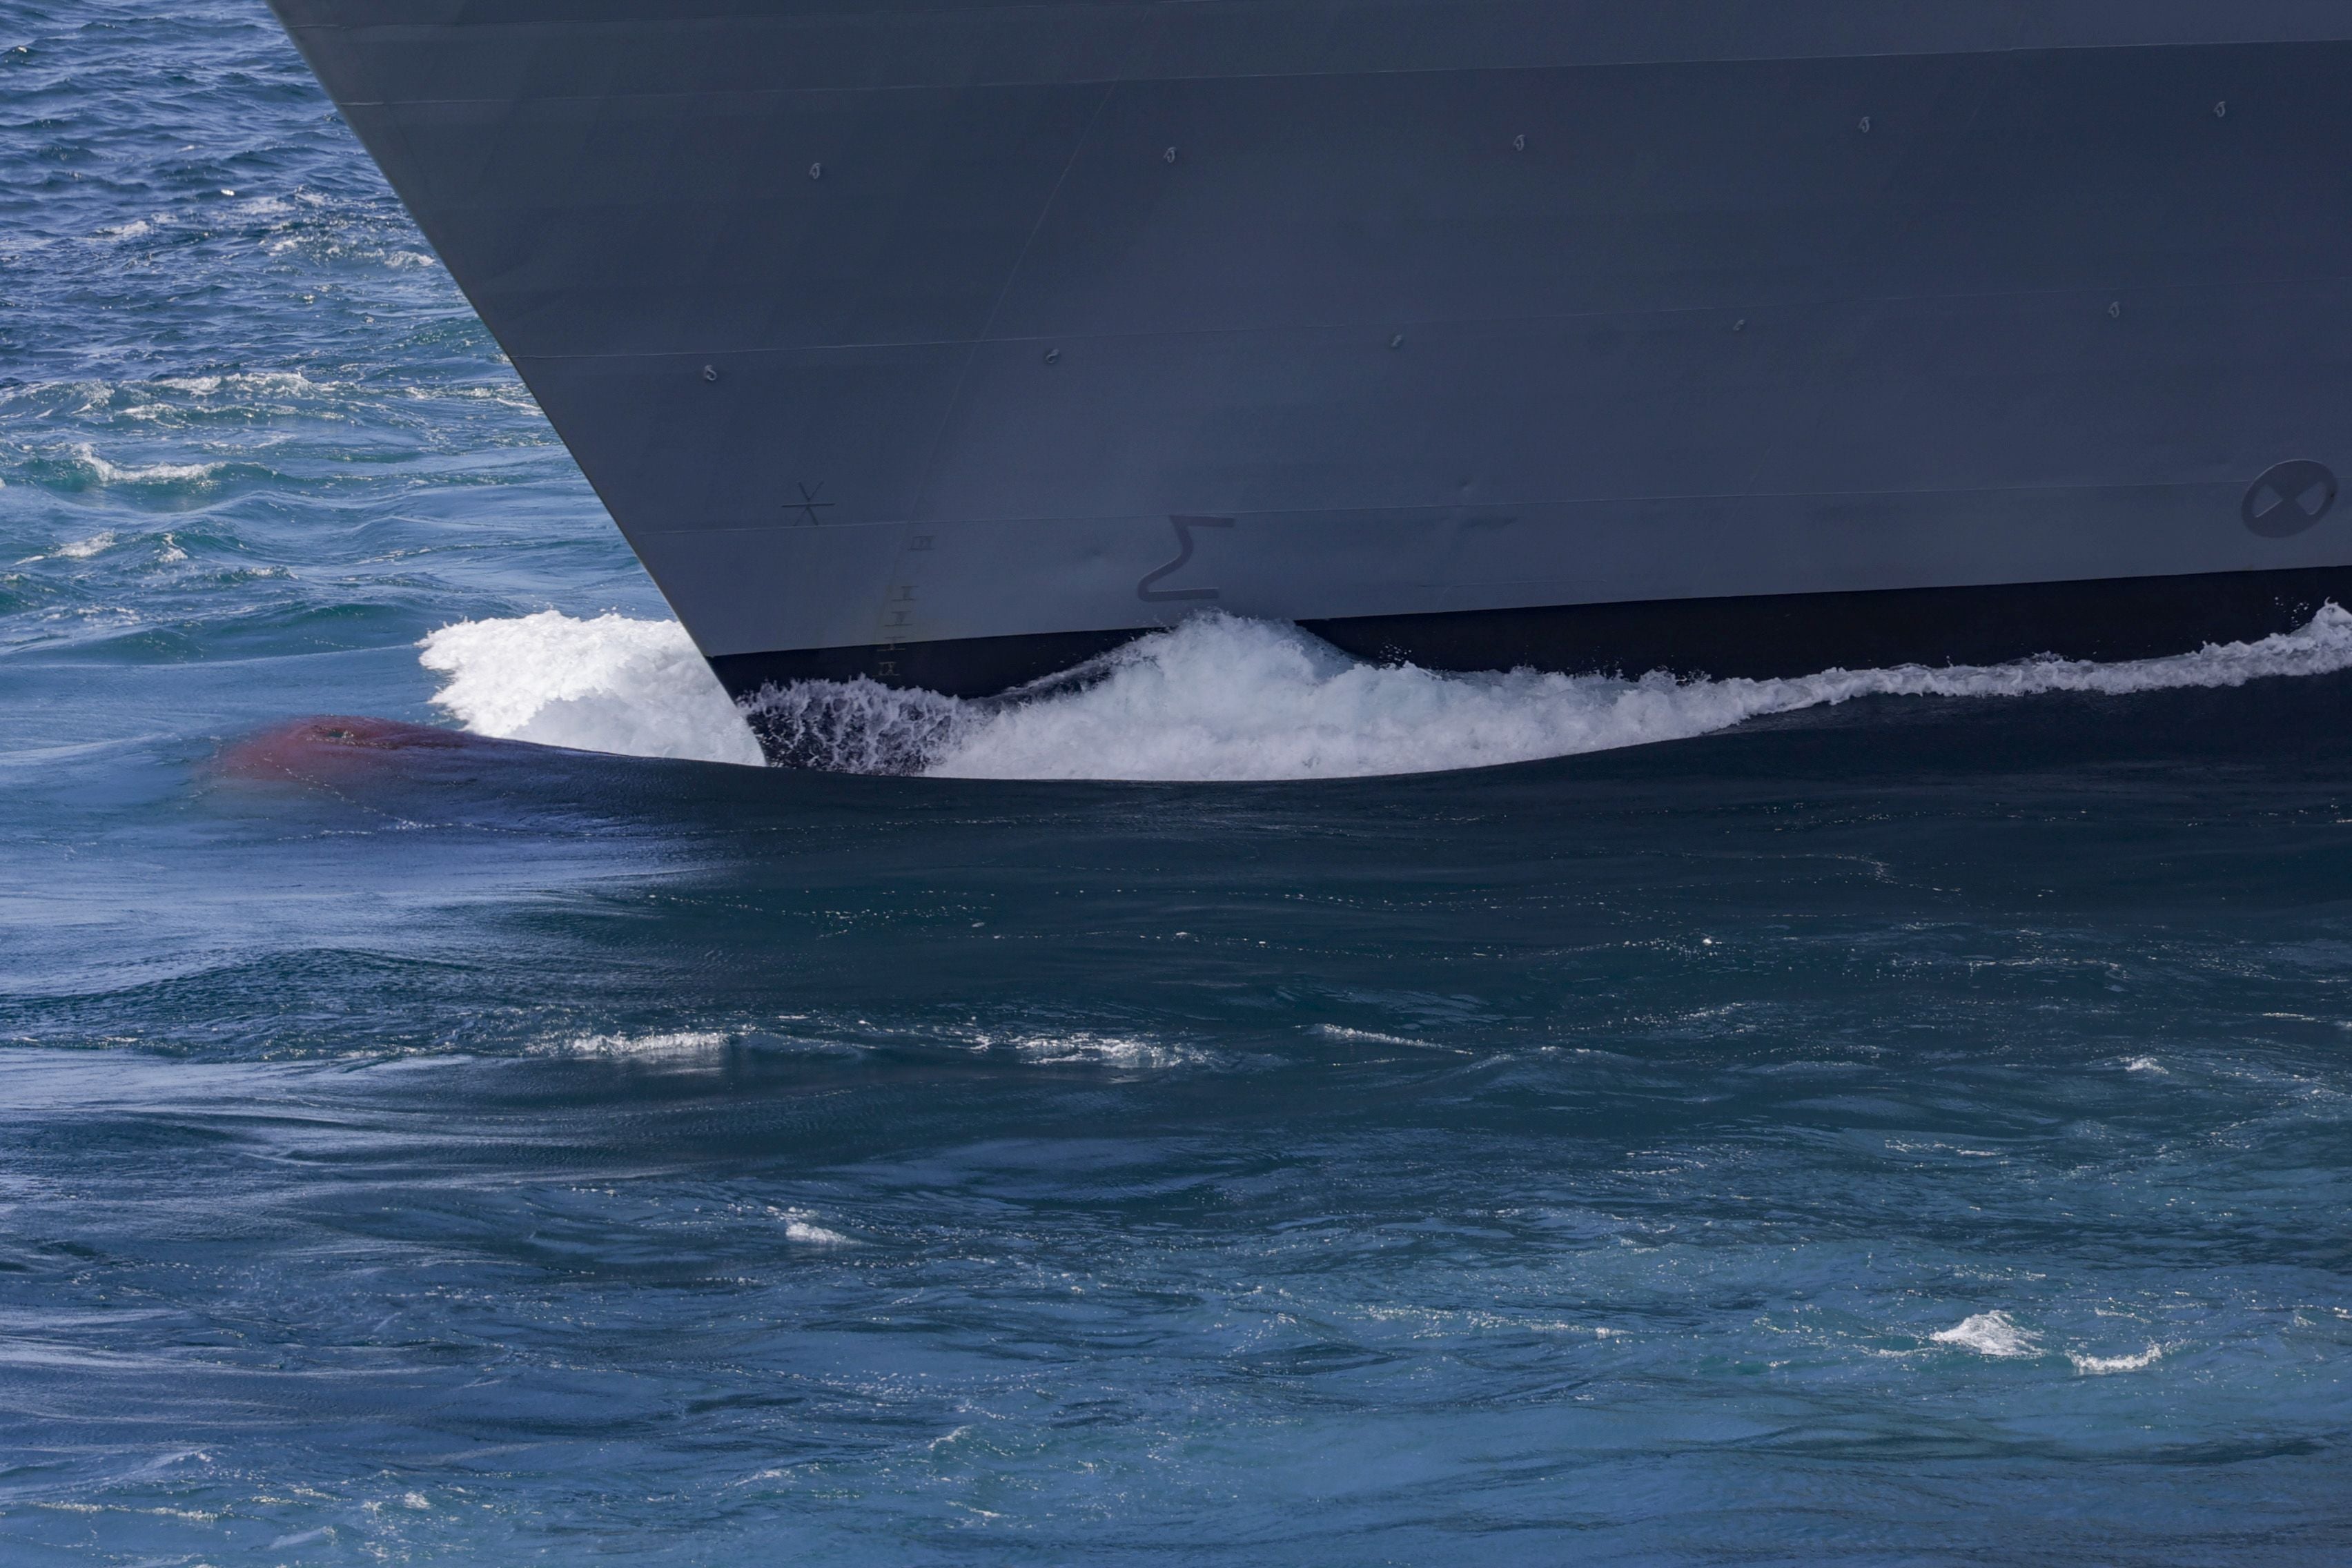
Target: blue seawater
[{"x": 1914, "y": 1128}]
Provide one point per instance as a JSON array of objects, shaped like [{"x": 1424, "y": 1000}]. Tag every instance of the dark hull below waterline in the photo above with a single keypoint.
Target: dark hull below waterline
[{"x": 1758, "y": 636}]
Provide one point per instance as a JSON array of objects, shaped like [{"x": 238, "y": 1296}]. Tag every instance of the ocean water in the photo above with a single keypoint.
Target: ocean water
[{"x": 1257, "y": 1108}]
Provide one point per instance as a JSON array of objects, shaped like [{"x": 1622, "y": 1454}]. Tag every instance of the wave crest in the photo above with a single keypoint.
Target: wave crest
[{"x": 144, "y": 473}]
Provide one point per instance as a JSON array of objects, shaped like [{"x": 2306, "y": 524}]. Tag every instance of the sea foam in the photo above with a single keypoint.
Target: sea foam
[
  {"x": 1217, "y": 698},
  {"x": 1988, "y": 1334},
  {"x": 606, "y": 684}
]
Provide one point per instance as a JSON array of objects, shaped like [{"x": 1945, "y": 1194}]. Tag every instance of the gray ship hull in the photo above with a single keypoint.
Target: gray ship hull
[{"x": 950, "y": 345}]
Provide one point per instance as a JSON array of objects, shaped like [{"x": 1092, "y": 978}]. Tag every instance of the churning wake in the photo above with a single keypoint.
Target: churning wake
[{"x": 1216, "y": 697}]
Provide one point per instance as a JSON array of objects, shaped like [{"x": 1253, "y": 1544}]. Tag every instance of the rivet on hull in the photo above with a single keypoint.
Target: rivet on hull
[
  {"x": 816, "y": 171},
  {"x": 1169, "y": 156},
  {"x": 711, "y": 373},
  {"x": 1052, "y": 356}
]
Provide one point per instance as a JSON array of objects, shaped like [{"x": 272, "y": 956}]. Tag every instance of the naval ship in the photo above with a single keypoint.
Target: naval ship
[{"x": 953, "y": 342}]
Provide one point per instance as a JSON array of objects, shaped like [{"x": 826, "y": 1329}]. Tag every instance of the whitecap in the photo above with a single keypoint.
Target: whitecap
[
  {"x": 1988, "y": 1334},
  {"x": 674, "y": 1043},
  {"x": 2099, "y": 1365},
  {"x": 1367, "y": 1036},
  {"x": 606, "y": 684},
  {"x": 147, "y": 474},
  {"x": 799, "y": 1225},
  {"x": 83, "y": 549},
  {"x": 277, "y": 381},
  {"x": 1104, "y": 1051},
  {"x": 282, "y": 382}
]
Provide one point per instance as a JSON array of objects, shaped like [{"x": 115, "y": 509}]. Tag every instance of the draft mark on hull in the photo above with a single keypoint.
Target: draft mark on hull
[{"x": 1184, "y": 527}]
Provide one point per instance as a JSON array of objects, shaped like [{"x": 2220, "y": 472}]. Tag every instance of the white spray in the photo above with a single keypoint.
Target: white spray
[
  {"x": 1216, "y": 698},
  {"x": 611, "y": 684}
]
